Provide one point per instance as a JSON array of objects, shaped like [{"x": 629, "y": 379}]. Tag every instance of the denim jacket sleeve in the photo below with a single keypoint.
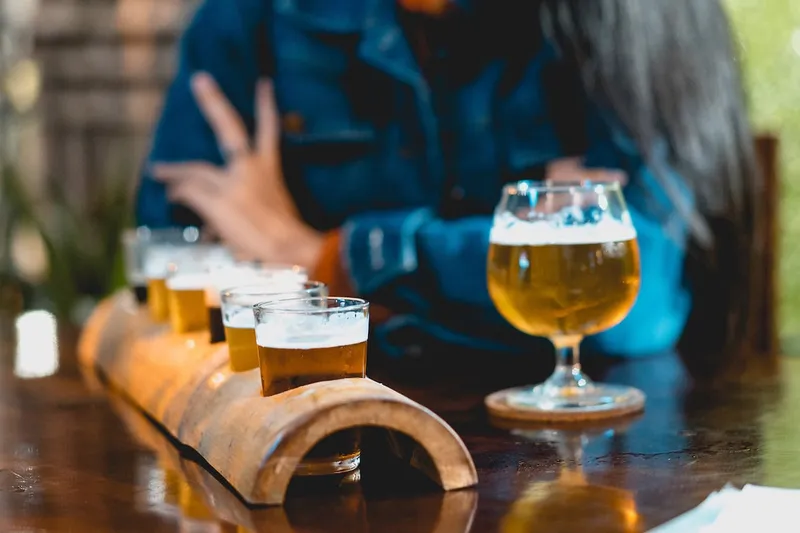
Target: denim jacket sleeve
[
  {"x": 411, "y": 259},
  {"x": 221, "y": 40}
]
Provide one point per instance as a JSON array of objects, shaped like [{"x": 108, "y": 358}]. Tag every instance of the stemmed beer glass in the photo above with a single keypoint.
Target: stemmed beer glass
[{"x": 564, "y": 264}]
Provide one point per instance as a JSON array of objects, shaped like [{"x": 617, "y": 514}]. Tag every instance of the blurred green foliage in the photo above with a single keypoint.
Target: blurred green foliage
[
  {"x": 769, "y": 36},
  {"x": 82, "y": 245}
]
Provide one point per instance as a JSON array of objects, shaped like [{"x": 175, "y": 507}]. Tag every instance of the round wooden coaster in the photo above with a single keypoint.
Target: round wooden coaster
[{"x": 498, "y": 406}]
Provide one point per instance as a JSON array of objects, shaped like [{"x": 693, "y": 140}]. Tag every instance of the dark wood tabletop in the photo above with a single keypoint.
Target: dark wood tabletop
[{"x": 77, "y": 457}]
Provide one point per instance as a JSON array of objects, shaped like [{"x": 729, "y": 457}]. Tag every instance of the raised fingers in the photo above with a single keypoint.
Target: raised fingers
[
  {"x": 605, "y": 176},
  {"x": 221, "y": 115},
  {"x": 572, "y": 170},
  {"x": 267, "y": 136},
  {"x": 199, "y": 175}
]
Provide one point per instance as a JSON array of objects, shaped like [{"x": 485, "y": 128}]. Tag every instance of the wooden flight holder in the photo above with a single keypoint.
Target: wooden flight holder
[
  {"x": 255, "y": 443},
  {"x": 452, "y": 512}
]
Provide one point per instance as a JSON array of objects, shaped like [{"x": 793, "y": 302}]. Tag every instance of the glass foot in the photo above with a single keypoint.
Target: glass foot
[
  {"x": 554, "y": 404},
  {"x": 591, "y": 397}
]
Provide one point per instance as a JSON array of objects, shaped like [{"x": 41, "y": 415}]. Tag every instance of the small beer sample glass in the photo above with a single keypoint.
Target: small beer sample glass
[
  {"x": 242, "y": 273},
  {"x": 135, "y": 243},
  {"x": 311, "y": 340},
  {"x": 239, "y": 318},
  {"x": 157, "y": 261},
  {"x": 563, "y": 264},
  {"x": 186, "y": 280}
]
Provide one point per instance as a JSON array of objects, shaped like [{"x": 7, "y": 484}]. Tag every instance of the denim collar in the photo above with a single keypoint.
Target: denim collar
[
  {"x": 383, "y": 43},
  {"x": 333, "y": 16},
  {"x": 385, "y": 46}
]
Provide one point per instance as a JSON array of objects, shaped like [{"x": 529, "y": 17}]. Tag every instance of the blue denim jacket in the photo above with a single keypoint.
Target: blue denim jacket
[{"x": 372, "y": 146}]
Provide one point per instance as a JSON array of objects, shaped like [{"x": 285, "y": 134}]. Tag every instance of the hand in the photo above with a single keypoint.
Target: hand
[
  {"x": 246, "y": 202},
  {"x": 571, "y": 169}
]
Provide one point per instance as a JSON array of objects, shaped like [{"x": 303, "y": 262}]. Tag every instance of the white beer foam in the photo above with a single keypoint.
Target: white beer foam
[
  {"x": 268, "y": 292},
  {"x": 156, "y": 260},
  {"x": 240, "y": 318},
  {"x": 306, "y": 332},
  {"x": 187, "y": 282},
  {"x": 284, "y": 281},
  {"x": 158, "y": 257},
  {"x": 215, "y": 256},
  {"x": 539, "y": 233}
]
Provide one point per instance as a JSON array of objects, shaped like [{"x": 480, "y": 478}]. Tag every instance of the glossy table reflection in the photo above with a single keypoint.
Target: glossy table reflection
[{"x": 74, "y": 457}]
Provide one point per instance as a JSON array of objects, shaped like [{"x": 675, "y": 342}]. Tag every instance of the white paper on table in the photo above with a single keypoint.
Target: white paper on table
[
  {"x": 760, "y": 509},
  {"x": 702, "y": 516}
]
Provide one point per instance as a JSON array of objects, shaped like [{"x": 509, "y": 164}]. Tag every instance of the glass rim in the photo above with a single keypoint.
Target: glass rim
[
  {"x": 253, "y": 289},
  {"x": 193, "y": 256},
  {"x": 544, "y": 186},
  {"x": 355, "y": 304},
  {"x": 258, "y": 266},
  {"x": 164, "y": 235}
]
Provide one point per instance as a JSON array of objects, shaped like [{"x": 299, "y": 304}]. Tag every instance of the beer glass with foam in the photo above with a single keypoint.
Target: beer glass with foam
[
  {"x": 186, "y": 280},
  {"x": 311, "y": 340},
  {"x": 158, "y": 257},
  {"x": 135, "y": 244},
  {"x": 239, "y": 319},
  {"x": 564, "y": 263},
  {"x": 242, "y": 273}
]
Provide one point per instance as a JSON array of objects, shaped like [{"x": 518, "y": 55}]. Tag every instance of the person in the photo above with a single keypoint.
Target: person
[{"x": 369, "y": 140}]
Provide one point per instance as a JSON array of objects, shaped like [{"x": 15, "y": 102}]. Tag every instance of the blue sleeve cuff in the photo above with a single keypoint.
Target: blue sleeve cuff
[{"x": 378, "y": 248}]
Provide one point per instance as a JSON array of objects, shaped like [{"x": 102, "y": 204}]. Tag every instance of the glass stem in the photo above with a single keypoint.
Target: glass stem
[
  {"x": 568, "y": 371},
  {"x": 571, "y": 452}
]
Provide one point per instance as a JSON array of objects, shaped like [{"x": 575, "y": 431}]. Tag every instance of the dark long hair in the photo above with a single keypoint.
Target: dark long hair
[{"x": 668, "y": 70}]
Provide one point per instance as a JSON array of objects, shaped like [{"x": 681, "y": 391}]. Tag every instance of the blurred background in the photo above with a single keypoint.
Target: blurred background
[{"x": 81, "y": 83}]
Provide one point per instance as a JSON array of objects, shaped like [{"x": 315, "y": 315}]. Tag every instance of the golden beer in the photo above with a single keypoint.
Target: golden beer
[
  {"x": 155, "y": 261},
  {"x": 576, "y": 288},
  {"x": 157, "y": 300},
  {"x": 242, "y": 347},
  {"x": 187, "y": 308},
  {"x": 299, "y": 349},
  {"x": 283, "y": 369}
]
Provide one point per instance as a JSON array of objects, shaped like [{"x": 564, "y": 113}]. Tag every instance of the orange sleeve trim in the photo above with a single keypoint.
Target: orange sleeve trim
[{"x": 331, "y": 271}]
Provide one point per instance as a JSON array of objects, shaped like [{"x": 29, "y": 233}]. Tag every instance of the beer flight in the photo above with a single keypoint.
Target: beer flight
[
  {"x": 272, "y": 317},
  {"x": 563, "y": 263}
]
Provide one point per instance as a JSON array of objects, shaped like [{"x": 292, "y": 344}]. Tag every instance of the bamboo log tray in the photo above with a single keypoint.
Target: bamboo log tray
[
  {"x": 255, "y": 443},
  {"x": 449, "y": 512}
]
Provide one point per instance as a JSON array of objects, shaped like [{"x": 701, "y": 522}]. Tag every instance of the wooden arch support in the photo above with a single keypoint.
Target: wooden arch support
[
  {"x": 255, "y": 443},
  {"x": 277, "y": 432},
  {"x": 454, "y": 511}
]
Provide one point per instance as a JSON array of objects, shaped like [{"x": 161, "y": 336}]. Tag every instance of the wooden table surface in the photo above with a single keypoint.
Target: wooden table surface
[{"x": 74, "y": 457}]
